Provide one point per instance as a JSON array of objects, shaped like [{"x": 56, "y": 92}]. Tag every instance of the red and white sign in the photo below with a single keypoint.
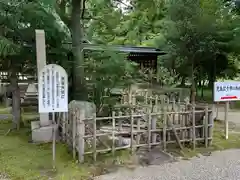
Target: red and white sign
[{"x": 227, "y": 91}]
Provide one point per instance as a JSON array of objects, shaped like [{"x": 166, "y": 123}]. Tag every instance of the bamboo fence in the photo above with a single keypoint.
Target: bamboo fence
[{"x": 152, "y": 128}]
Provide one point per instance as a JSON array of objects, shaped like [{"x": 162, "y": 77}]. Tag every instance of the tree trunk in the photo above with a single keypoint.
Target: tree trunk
[
  {"x": 201, "y": 82},
  {"x": 193, "y": 88},
  {"x": 79, "y": 84},
  {"x": 202, "y": 90},
  {"x": 16, "y": 100},
  {"x": 214, "y": 78},
  {"x": 183, "y": 82},
  {"x": 199, "y": 85}
]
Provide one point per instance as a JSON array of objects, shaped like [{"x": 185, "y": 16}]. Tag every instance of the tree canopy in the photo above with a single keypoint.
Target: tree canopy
[
  {"x": 200, "y": 37},
  {"x": 19, "y": 19}
]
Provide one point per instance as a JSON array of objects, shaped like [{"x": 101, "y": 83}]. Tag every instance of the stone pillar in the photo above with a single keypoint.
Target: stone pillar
[
  {"x": 42, "y": 131},
  {"x": 41, "y": 62}
]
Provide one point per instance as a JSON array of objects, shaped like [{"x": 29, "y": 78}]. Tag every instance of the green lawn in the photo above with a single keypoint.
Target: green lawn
[
  {"x": 23, "y": 160},
  {"x": 207, "y": 95},
  {"x": 219, "y": 142}
]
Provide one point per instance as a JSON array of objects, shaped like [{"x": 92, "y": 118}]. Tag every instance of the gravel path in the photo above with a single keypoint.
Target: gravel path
[{"x": 224, "y": 165}]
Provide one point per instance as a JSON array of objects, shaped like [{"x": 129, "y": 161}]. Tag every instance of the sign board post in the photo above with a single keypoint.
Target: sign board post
[
  {"x": 226, "y": 92},
  {"x": 53, "y": 94},
  {"x": 226, "y": 119}
]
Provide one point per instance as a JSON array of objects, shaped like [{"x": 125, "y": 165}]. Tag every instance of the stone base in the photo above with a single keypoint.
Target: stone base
[{"x": 43, "y": 134}]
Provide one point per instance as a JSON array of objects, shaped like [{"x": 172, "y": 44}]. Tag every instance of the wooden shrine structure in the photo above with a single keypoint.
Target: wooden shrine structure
[{"x": 146, "y": 57}]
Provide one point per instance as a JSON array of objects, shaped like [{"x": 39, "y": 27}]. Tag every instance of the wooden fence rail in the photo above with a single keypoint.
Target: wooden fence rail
[{"x": 85, "y": 136}]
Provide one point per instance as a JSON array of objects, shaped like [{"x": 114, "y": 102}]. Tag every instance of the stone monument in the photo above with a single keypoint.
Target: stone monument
[
  {"x": 42, "y": 131},
  {"x": 88, "y": 107}
]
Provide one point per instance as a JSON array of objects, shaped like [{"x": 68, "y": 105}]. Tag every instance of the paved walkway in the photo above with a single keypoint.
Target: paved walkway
[{"x": 223, "y": 165}]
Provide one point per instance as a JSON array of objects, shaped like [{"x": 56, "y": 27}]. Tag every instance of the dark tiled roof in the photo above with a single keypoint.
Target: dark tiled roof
[{"x": 127, "y": 49}]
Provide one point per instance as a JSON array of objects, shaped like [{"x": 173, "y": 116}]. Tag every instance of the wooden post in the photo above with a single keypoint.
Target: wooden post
[
  {"x": 132, "y": 131},
  {"x": 206, "y": 127},
  {"x": 179, "y": 110},
  {"x": 69, "y": 127},
  {"x": 174, "y": 131},
  {"x": 120, "y": 121},
  {"x": 156, "y": 102},
  {"x": 113, "y": 132},
  {"x": 146, "y": 97},
  {"x": 138, "y": 129},
  {"x": 74, "y": 130},
  {"x": 134, "y": 101},
  {"x": 211, "y": 122},
  {"x": 125, "y": 98},
  {"x": 154, "y": 125},
  {"x": 226, "y": 119},
  {"x": 81, "y": 133},
  {"x": 130, "y": 95},
  {"x": 216, "y": 107},
  {"x": 193, "y": 127},
  {"x": 151, "y": 104},
  {"x": 173, "y": 105},
  {"x": 149, "y": 130},
  {"x": 183, "y": 122},
  {"x": 94, "y": 138},
  {"x": 54, "y": 141},
  {"x": 122, "y": 99},
  {"x": 173, "y": 109},
  {"x": 164, "y": 130},
  {"x": 180, "y": 95},
  {"x": 168, "y": 102},
  {"x": 64, "y": 123},
  {"x": 162, "y": 100}
]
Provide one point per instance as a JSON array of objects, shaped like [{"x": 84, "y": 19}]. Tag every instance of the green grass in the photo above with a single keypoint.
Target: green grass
[
  {"x": 207, "y": 95},
  {"x": 4, "y": 110},
  {"x": 237, "y": 104},
  {"x": 23, "y": 160},
  {"x": 219, "y": 142}
]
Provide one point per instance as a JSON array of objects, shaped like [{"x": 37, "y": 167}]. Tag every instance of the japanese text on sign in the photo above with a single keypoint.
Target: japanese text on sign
[
  {"x": 228, "y": 88},
  {"x": 53, "y": 89},
  {"x": 226, "y": 91}
]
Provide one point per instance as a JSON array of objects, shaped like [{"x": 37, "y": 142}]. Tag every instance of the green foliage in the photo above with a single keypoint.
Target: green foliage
[
  {"x": 7, "y": 47},
  {"x": 104, "y": 72},
  {"x": 166, "y": 77},
  {"x": 19, "y": 19},
  {"x": 202, "y": 33},
  {"x": 104, "y": 19},
  {"x": 205, "y": 32},
  {"x": 135, "y": 23}
]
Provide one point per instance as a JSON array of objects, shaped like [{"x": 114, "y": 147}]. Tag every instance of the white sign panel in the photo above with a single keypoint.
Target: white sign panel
[
  {"x": 226, "y": 91},
  {"x": 52, "y": 89}
]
